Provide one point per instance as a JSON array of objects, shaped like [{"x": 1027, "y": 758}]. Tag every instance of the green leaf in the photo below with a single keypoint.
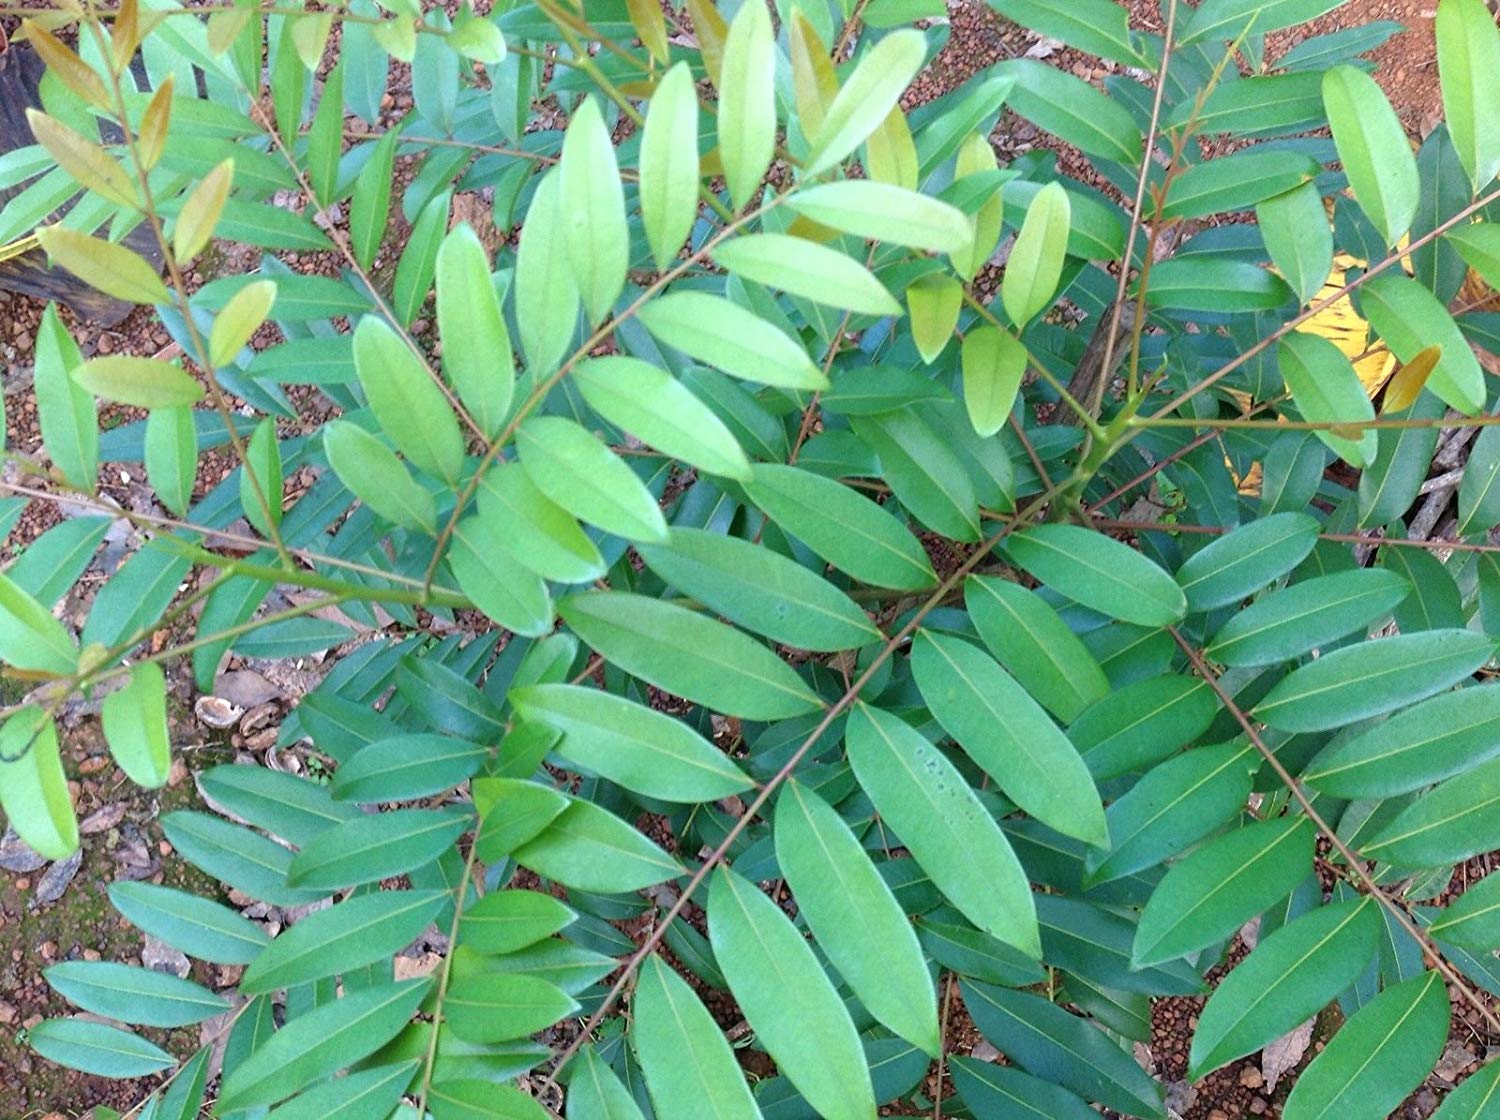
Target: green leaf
[
  {"x": 1445, "y": 826},
  {"x": 805, "y": 268},
  {"x": 240, "y": 318},
  {"x": 1242, "y": 562},
  {"x": 142, "y": 382},
  {"x": 1372, "y": 678},
  {"x": 1229, "y": 19},
  {"x": 376, "y": 477},
  {"x": 261, "y": 498},
  {"x": 871, "y": 92},
  {"x": 760, "y": 590},
  {"x": 1215, "y": 284},
  {"x": 1289, "y": 977},
  {"x": 1099, "y": 572},
  {"x": 688, "y": 654},
  {"x": 660, "y": 411},
  {"x": 669, "y": 167},
  {"x": 363, "y": 1093},
  {"x": 509, "y": 920},
  {"x": 923, "y": 798},
  {"x": 1477, "y": 1098},
  {"x": 295, "y": 809},
  {"x": 481, "y": 1099},
  {"x": 1095, "y": 26},
  {"x": 1307, "y": 615},
  {"x": 847, "y": 529},
  {"x": 371, "y": 203},
  {"x": 135, "y": 726},
  {"x": 171, "y": 451},
  {"x": 546, "y": 301},
  {"x": 535, "y": 531},
  {"x": 407, "y": 767},
  {"x": 1299, "y": 238},
  {"x": 1379, "y": 1056},
  {"x": 98, "y": 1049},
  {"x": 410, "y": 407},
  {"x": 1473, "y": 920},
  {"x": 1410, "y": 319},
  {"x": 194, "y": 925},
  {"x": 1468, "y": 55},
  {"x": 318, "y": 1042},
  {"x": 577, "y": 471},
  {"x": 1238, "y": 182},
  {"x": 788, "y": 999},
  {"x": 371, "y": 848},
  {"x": 477, "y": 357},
  {"x": 992, "y": 1090},
  {"x": 33, "y": 787},
  {"x": 593, "y": 207},
  {"x": 65, "y": 410},
  {"x": 1143, "y": 723},
  {"x": 512, "y": 811},
  {"x": 1036, "y": 259},
  {"x": 747, "y": 103},
  {"x": 243, "y": 859},
  {"x": 855, "y": 917},
  {"x": 1058, "y": 1047},
  {"x": 1009, "y": 735},
  {"x": 134, "y": 995},
  {"x": 882, "y": 212},
  {"x": 1073, "y": 111},
  {"x": 993, "y": 364},
  {"x": 112, "y": 268},
  {"x": 1436, "y": 739},
  {"x": 593, "y": 850},
  {"x": 932, "y": 304},
  {"x": 1478, "y": 494},
  {"x": 643, "y": 750},
  {"x": 722, "y": 334},
  {"x": 689, "y": 1067},
  {"x": 490, "y": 575},
  {"x": 924, "y": 472},
  {"x": 1174, "y": 805},
  {"x": 1035, "y": 645},
  {"x": 30, "y": 638},
  {"x": 1221, "y": 886},
  {"x": 595, "y": 1092},
  {"x": 497, "y": 1007},
  {"x": 1373, "y": 148},
  {"x": 418, "y": 265}
]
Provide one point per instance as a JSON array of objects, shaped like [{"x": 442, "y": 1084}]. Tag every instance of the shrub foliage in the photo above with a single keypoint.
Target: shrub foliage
[{"x": 970, "y": 553}]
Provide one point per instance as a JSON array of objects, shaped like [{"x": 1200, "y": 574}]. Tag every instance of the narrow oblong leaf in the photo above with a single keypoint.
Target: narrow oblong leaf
[
  {"x": 747, "y": 102},
  {"x": 33, "y": 787},
  {"x": 727, "y": 336},
  {"x": 1099, "y": 572},
  {"x": 1444, "y": 826},
  {"x": 574, "y": 469},
  {"x": 594, "y": 850},
  {"x": 593, "y": 205},
  {"x": 497, "y": 1007},
  {"x": 376, "y": 477},
  {"x": 1290, "y": 622},
  {"x": 135, "y": 726},
  {"x": 110, "y": 267},
  {"x": 371, "y": 848},
  {"x": 65, "y": 410},
  {"x": 993, "y": 364},
  {"x": 870, "y": 93},
  {"x": 97, "y": 1048},
  {"x": 546, "y": 299},
  {"x": 1410, "y": 319},
  {"x": 883, "y": 212},
  {"x": 510, "y": 920},
  {"x": 1299, "y": 238},
  {"x": 1036, "y": 259},
  {"x": 405, "y": 767},
  {"x": 196, "y": 926},
  {"x": 1468, "y": 55},
  {"x": 142, "y": 382},
  {"x": 1327, "y": 390},
  {"x": 1373, "y": 148},
  {"x": 1242, "y": 562},
  {"x": 1473, "y": 921},
  {"x": 140, "y": 996},
  {"x": 30, "y": 638},
  {"x": 477, "y": 357},
  {"x": 807, "y": 269},
  {"x": 410, "y": 407},
  {"x": 669, "y": 165}
]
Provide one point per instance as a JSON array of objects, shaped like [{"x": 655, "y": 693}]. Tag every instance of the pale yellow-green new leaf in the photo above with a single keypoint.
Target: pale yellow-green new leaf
[
  {"x": 720, "y": 333},
  {"x": 200, "y": 212},
  {"x": 65, "y": 65},
  {"x": 30, "y": 638},
  {"x": 546, "y": 296},
  {"x": 143, "y": 382},
  {"x": 890, "y": 152},
  {"x": 477, "y": 358},
  {"x": 113, "y": 269},
  {"x": 993, "y": 363},
  {"x": 669, "y": 164},
  {"x": 241, "y": 317},
  {"x": 33, "y": 787},
  {"x": 747, "y": 102},
  {"x": 933, "y": 302},
  {"x": 1468, "y": 51},
  {"x": 1373, "y": 148},
  {"x": 871, "y": 92},
  {"x": 814, "y": 82},
  {"x": 410, "y": 407},
  {"x": 807, "y": 269},
  {"x": 885, "y": 213},
  {"x": 156, "y": 122},
  {"x": 974, "y": 156},
  {"x": 88, "y": 163},
  {"x": 135, "y": 726},
  {"x": 593, "y": 211},
  {"x": 1036, "y": 259}
]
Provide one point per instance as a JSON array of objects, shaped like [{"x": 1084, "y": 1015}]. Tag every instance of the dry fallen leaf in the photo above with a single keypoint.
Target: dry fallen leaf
[{"x": 1284, "y": 1053}]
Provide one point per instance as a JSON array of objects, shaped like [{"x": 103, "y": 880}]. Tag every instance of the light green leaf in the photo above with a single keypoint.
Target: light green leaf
[
  {"x": 1099, "y": 572},
  {"x": 134, "y": 995},
  {"x": 112, "y": 268},
  {"x": 546, "y": 300},
  {"x": 510, "y": 920},
  {"x": 1242, "y": 562},
  {"x": 171, "y": 450},
  {"x": 669, "y": 165},
  {"x": 1371, "y": 678},
  {"x": 1238, "y": 182},
  {"x": 927, "y": 803},
  {"x": 1327, "y": 390},
  {"x": 1410, "y": 319},
  {"x": 574, "y": 469},
  {"x": 595, "y": 1092},
  {"x": 533, "y": 529},
  {"x": 1213, "y": 283},
  {"x": 1373, "y": 148},
  {"x": 135, "y": 726},
  {"x": 923, "y": 471},
  {"x": 882, "y": 212},
  {"x": 689, "y": 1067},
  {"x": 65, "y": 410},
  {"x": 593, "y": 850},
  {"x": 993, "y": 364},
  {"x": 1035, "y": 264},
  {"x": 1378, "y": 1057},
  {"x": 1009, "y": 735},
  {"x": 261, "y": 495},
  {"x": 410, "y": 407},
  {"x": 871, "y": 92},
  {"x": 30, "y": 638},
  {"x": 497, "y": 1007},
  {"x": 688, "y": 654},
  {"x": 477, "y": 359},
  {"x": 240, "y": 318},
  {"x": 788, "y": 999},
  {"x": 513, "y": 811},
  {"x": 196, "y": 926},
  {"x": 660, "y": 411},
  {"x": 1229, "y": 19},
  {"x": 1478, "y": 494},
  {"x": 593, "y": 211},
  {"x": 1289, "y": 977},
  {"x": 370, "y": 848},
  {"x": 933, "y": 303},
  {"x": 731, "y": 338},
  {"x": 854, "y": 915},
  {"x": 142, "y": 382},
  {"x": 747, "y": 103},
  {"x": 33, "y": 787},
  {"x": 643, "y": 750},
  {"x": 805, "y": 268},
  {"x": 376, "y": 477},
  {"x": 1468, "y": 55},
  {"x": 370, "y": 204},
  {"x": 1445, "y": 826},
  {"x": 1309, "y": 614},
  {"x": 98, "y": 1049},
  {"x": 490, "y": 575},
  {"x": 1299, "y": 238}
]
